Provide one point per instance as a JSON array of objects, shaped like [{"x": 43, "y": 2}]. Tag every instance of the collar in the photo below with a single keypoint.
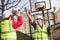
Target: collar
[
  {"x": 41, "y": 26},
  {"x": 7, "y": 19}
]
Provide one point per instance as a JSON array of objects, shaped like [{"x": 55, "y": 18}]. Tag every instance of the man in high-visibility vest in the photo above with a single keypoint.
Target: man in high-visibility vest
[
  {"x": 7, "y": 26},
  {"x": 40, "y": 32}
]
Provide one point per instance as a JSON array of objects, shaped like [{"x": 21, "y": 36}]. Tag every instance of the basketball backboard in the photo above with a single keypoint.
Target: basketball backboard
[{"x": 45, "y": 3}]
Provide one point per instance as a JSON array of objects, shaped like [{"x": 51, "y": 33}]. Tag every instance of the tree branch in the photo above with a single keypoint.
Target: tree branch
[
  {"x": 9, "y": 8},
  {"x": 14, "y": 5},
  {"x": 6, "y": 3},
  {"x": 17, "y": 3},
  {"x": 0, "y": 8},
  {"x": 0, "y": 5},
  {"x": 24, "y": 5},
  {"x": 11, "y": 2}
]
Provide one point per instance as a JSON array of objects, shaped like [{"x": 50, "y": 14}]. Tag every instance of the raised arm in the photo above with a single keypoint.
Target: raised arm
[{"x": 28, "y": 14}]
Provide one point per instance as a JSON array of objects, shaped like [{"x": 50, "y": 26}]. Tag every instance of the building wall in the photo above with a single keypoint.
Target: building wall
[
  {"x": 57, "y": 15},
  {"x": 25, "y": 28},
  {"x": 56, "y": 34}
]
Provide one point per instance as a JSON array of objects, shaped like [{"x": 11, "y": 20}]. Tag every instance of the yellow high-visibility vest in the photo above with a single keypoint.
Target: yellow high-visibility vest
[
  {"x": 7, "y": 30},
  {"x": 40, "y": 33}
]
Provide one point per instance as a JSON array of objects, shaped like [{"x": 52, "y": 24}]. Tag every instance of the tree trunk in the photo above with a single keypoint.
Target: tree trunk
[{"x": 2, "y": 2}]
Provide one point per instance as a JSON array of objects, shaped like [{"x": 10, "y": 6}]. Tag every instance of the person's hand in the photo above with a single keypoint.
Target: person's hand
[
  {"x": 45, "y": 32},
  {"x": 15, "y": 18},
  {"x": 10, "y": 18},
  {"x": 18, "y": 13},
  {"x": 27, "y": 11},
  {"x": 51, "y": 30}
]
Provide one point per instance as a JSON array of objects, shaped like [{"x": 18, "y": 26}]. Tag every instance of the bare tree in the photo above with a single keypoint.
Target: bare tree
[{"x": 6, "y": 3}]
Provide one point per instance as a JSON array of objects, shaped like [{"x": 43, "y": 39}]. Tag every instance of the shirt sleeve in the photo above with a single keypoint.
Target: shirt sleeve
[
  {"x": 48, "y": 30},
  {"x": 18, "y": 23},
  {"x": 34, "y": 25}
]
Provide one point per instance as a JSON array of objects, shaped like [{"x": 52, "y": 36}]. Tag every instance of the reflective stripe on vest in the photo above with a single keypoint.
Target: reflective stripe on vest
[{"x": 6, "y": 26}]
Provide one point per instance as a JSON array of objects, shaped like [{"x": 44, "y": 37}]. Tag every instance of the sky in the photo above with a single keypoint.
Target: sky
[
  {"x": 55, "y": 3},
  {"x": 26, "y": 3}
]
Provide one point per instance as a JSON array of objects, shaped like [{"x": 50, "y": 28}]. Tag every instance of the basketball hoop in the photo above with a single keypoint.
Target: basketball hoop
[{"x": 39, "y": 7}]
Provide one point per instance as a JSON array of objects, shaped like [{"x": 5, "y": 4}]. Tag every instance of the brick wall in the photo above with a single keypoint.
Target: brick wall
[
  {"x": 57, "y": 16},
  {"x": 56, "y": 34}
]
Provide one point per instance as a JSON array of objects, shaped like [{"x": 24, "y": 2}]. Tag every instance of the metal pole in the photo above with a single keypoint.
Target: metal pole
[
  {"x": 51, "y": 37},
  {"x": 30, "y": 30},
  {"x": 29, "y": 25},
  {"x": 50, "y": 3},
  {"x": 54, "y": 20},
  {"x": 43, "y": 16}
]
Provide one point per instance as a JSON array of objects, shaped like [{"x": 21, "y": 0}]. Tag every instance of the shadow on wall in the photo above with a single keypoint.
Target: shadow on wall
[{"x": 22, "y": 36}]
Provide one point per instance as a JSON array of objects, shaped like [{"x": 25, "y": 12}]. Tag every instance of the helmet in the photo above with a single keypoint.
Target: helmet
[
  {"x": 6, "y": 14},
  {"x": 39, "y": 17}
]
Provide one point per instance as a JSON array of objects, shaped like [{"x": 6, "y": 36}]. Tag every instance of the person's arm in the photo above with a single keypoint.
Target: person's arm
[
  {"x": 28, "y": 14},
  {"x": 45, "y": 32},
  {"x": 48, "y": 30},
  {"x": 34, "y": 25},
  {"x": 18, "y": 23}
]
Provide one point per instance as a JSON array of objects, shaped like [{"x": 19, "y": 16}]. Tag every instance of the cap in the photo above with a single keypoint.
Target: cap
[
  {"x": 15, "y": 9},
  {"x": 39, "y": 17},
  {"x": 6, "y": 14}
]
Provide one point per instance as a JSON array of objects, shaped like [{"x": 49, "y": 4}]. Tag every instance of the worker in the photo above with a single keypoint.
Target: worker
[
  {"x": 17, "y": 16},
  {"x": 40, "y": 30},
  {"x": 8, "y": 26}
]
